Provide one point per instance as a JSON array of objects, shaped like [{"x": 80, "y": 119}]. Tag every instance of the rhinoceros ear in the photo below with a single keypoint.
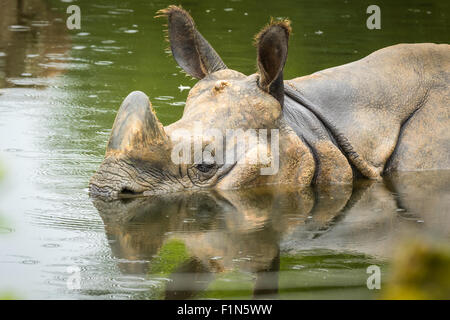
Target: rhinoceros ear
[
  {"x": 191, "y": 51},
  {"x": 272, "y": 49}
]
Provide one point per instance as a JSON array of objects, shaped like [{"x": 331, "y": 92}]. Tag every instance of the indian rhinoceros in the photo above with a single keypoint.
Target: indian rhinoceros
[{"x": 386, "y": 112}]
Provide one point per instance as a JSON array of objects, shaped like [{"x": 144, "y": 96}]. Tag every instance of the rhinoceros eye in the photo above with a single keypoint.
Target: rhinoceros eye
[
  {"x": 200, "y": 174},
  {"x": 205, "y": 167}
]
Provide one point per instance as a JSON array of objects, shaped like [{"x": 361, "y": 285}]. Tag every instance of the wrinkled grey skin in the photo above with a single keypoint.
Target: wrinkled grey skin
[{"x": 384, "y": 113}]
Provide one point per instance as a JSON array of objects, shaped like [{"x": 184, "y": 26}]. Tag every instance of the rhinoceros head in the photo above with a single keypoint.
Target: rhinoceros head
[{"x": 231, "y": 133}]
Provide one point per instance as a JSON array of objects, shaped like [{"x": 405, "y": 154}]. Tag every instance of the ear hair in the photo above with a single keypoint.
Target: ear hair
[{"x": 189, "y": 48}]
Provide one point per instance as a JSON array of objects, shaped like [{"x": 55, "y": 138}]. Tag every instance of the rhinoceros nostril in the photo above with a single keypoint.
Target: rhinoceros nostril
[{"x": 127, "y": 192}]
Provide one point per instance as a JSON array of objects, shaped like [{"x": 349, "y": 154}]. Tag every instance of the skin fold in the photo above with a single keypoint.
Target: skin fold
[{"x": 384, "y": 113}]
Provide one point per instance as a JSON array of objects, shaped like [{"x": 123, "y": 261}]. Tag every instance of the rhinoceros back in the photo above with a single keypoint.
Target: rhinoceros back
[{"x": 387, "y": 111}]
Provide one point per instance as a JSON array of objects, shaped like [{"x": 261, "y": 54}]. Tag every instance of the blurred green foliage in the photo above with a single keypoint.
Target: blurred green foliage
[
  {"x": 421, "y": 270},
  {"x": 8, "y": 296}
]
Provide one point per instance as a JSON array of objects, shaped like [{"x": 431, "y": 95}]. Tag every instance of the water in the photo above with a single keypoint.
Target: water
[{"x": 59, "y": 93}]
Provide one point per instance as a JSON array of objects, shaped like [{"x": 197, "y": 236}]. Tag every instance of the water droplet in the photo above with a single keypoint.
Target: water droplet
[
  {"x": 297, "y": 267},
  {"x": 12, "y": 150},
  {"x": 40, "y": 23},
  {"x": 103, "y": 63},
  {"x": 50, "y": 245},
  {"x": 178, "y": 103},
  {"x": 18, "y": 28},
  {"x": 164, "y": 98},
  {"x": 182, "y": 88}
]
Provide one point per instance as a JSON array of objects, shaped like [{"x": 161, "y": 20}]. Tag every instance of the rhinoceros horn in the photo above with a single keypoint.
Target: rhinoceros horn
[{"x": 136, "y": 129}]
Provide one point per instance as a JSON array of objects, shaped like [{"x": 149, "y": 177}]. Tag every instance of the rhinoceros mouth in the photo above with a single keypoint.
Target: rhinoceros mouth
[{"x": 102, "y": 192}]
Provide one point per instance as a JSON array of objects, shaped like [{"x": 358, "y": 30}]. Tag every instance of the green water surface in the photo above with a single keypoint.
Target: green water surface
[{"x": 59, "y": 93}]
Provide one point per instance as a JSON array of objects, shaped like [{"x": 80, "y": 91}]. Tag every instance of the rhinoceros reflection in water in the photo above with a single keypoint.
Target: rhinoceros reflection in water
[{"x": 251, "y": 229}]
